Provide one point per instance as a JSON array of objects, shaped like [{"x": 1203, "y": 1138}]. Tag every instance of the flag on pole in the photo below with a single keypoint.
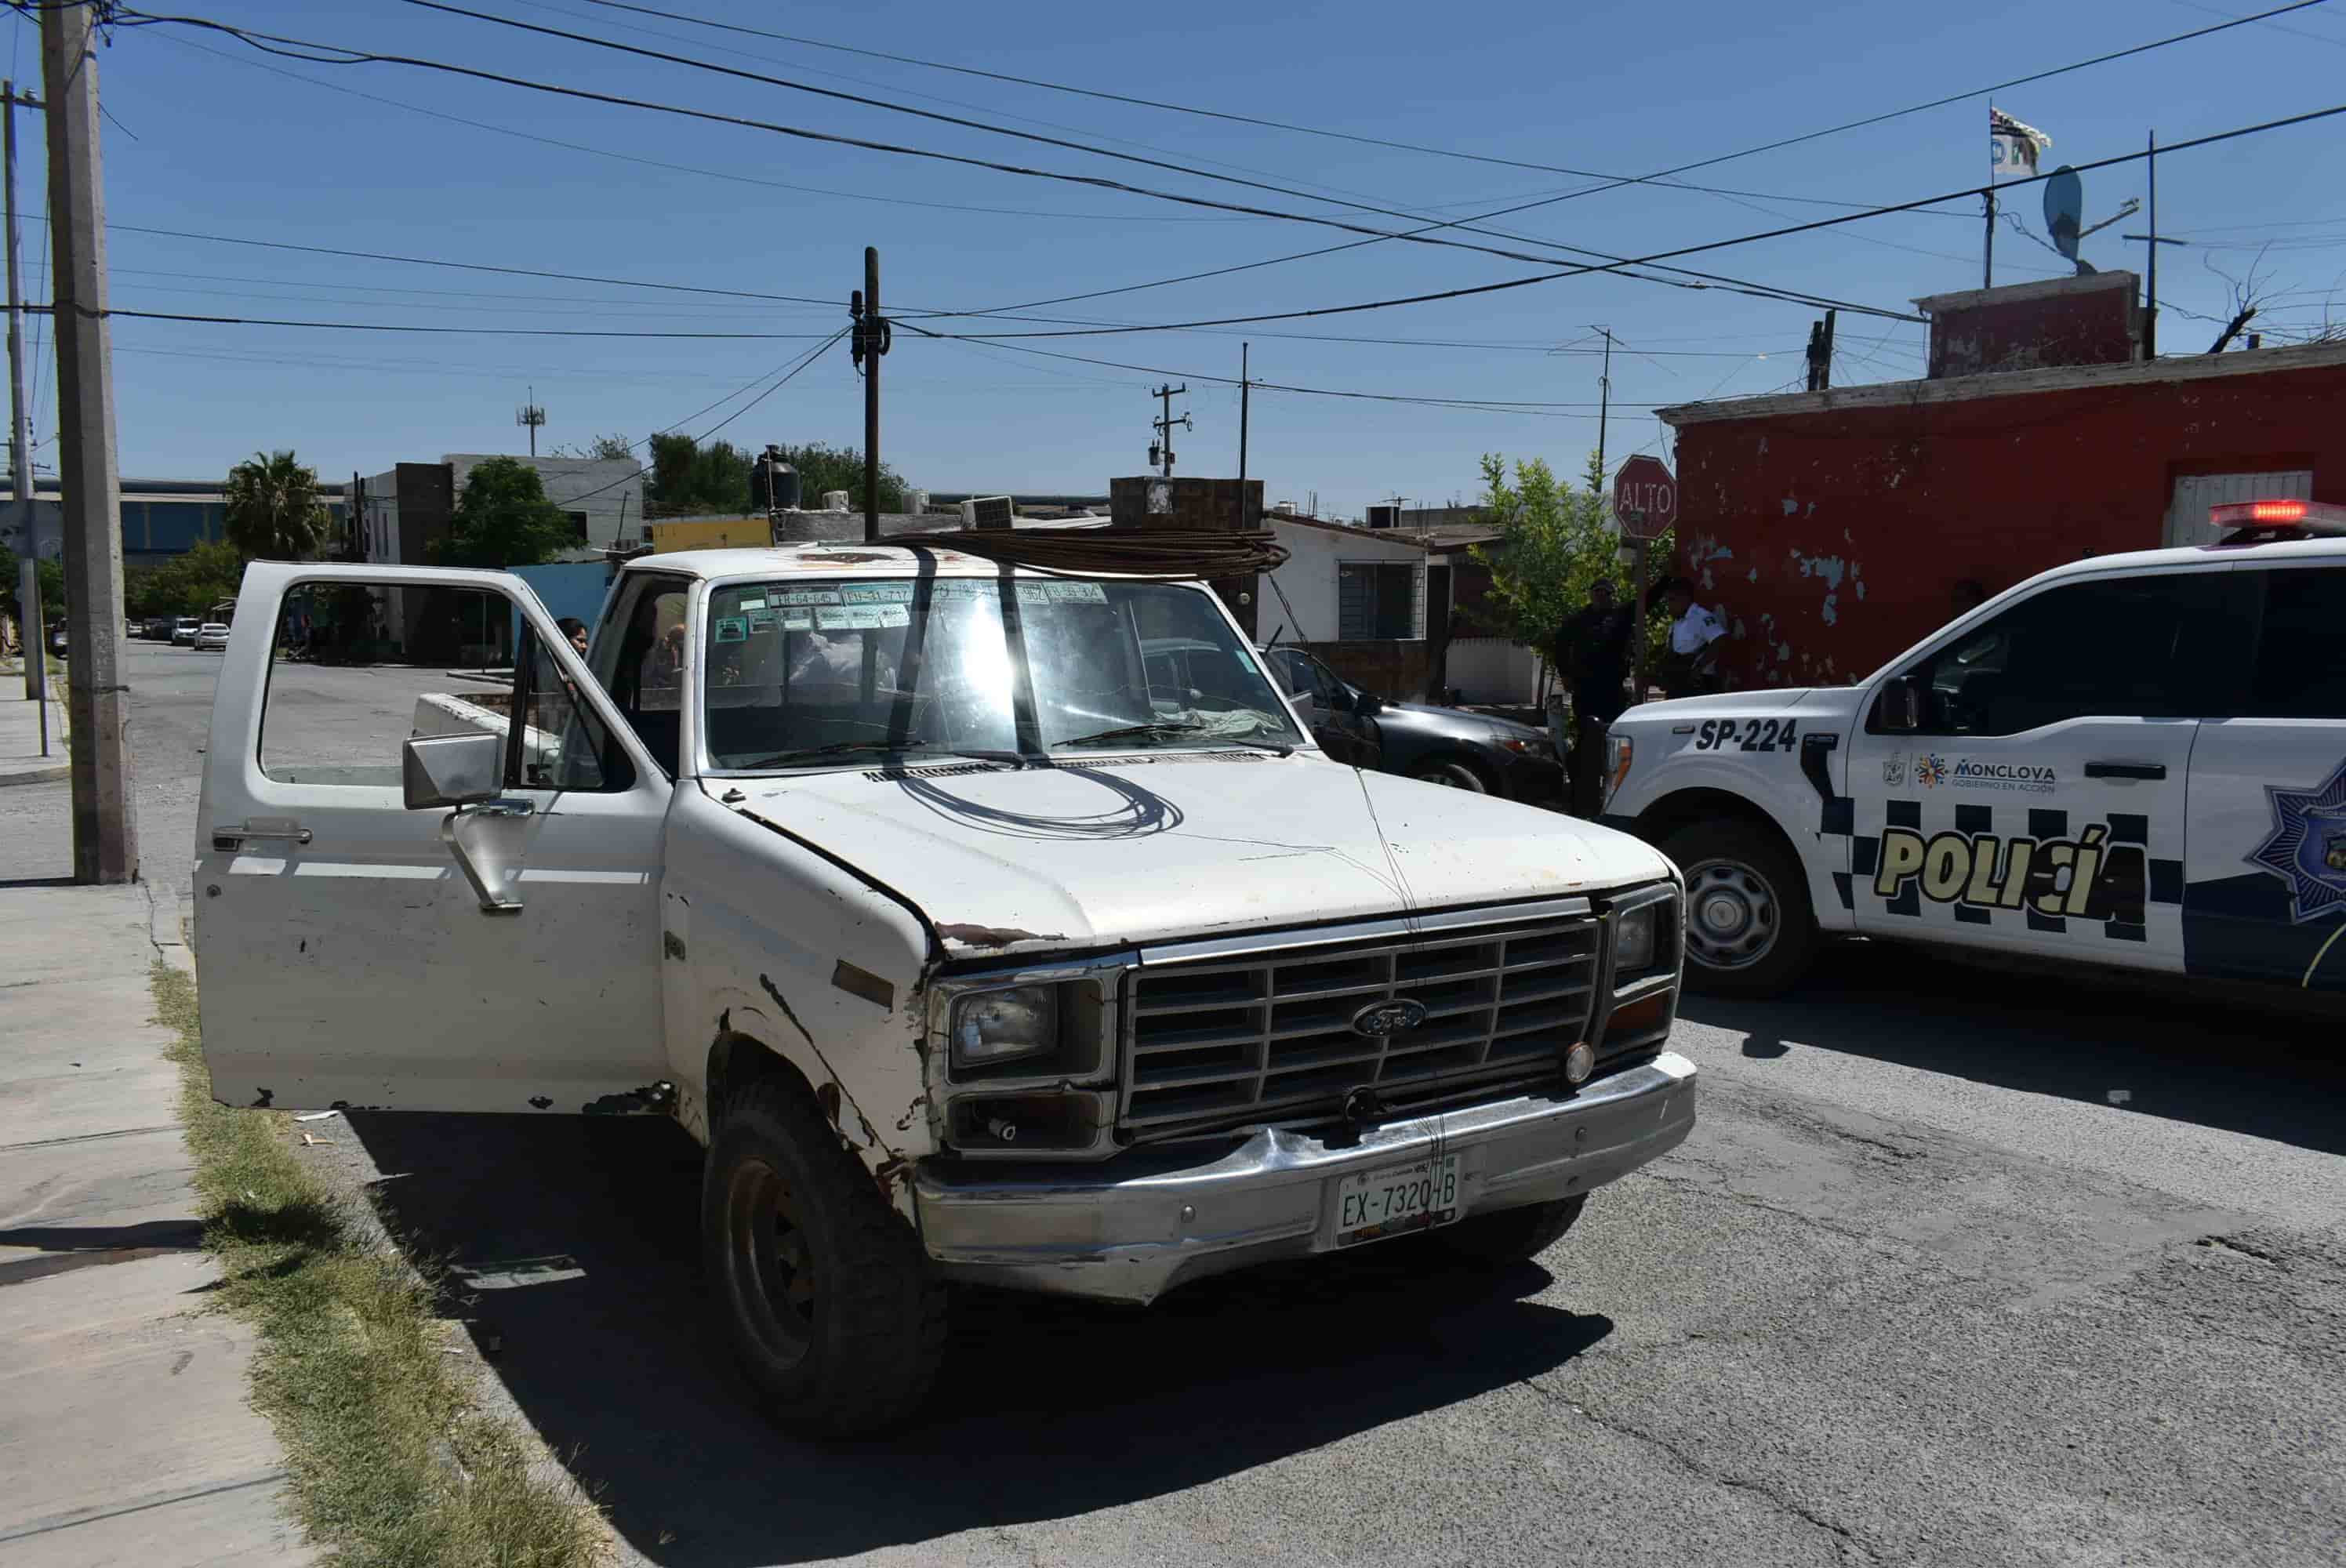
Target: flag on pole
[{"x": 2011, "y": 146}]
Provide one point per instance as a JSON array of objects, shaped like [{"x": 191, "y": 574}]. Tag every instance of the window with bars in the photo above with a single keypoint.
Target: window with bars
[{"x": 1380, "y": 600}]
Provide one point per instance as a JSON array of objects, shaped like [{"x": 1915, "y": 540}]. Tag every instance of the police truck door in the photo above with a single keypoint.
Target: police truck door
[
  {"x": 2265, "y": 876},
  {"x": 2021, "y": 785}
]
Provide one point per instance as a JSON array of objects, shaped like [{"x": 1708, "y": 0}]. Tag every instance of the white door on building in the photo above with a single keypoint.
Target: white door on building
[{"x": 2186, "y": 512}]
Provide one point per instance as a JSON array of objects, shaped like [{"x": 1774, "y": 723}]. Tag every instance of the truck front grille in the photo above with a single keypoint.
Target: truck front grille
[{"x": 1269, "y": 1035}]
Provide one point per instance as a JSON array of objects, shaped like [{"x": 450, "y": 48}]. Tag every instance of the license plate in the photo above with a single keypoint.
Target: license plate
[{"x": 1395, "y": 1200}]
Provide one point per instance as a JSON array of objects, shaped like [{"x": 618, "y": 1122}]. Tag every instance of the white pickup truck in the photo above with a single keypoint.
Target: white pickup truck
[{"x": 969, "y": 952}]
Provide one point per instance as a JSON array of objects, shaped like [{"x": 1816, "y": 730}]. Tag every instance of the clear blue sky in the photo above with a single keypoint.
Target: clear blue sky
[{"x": 213, "y": 142}]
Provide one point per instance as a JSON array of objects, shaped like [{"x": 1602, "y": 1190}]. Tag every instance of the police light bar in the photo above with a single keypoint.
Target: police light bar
[{"x": 2315, "y": 516}]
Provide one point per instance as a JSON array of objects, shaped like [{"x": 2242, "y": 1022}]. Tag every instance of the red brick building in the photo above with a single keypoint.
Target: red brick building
[{"x": 1830, "y": 527}]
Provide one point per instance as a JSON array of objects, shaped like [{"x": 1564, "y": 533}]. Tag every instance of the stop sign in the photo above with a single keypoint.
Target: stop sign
[{"x": 1645, "y": 498}]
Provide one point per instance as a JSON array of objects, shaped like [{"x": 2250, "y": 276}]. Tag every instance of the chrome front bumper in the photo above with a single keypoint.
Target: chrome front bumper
[{"x": 1130, "y": 1231}]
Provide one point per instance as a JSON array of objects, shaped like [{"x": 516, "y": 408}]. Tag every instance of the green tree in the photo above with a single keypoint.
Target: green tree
[
  {"x": 53, "y": 588},
  {"x": 612, "y": 448},
  {"x": 1555, "y": 546},
  {"x": 192, "y": 584},
  {"x": 504, "y": 519},
  {"x": 273, "y": 510},
  {"x": 688, "y": 478}
]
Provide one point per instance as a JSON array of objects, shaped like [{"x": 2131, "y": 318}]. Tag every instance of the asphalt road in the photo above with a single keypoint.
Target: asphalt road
[{"x": 1957, "y": 1268}]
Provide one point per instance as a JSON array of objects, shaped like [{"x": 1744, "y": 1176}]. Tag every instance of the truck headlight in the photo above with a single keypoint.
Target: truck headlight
[
  {"x": 990, "y": 1027},
  {"x": 1633, "y": 939}
]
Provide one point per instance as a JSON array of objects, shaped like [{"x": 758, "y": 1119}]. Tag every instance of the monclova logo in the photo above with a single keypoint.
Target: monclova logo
[{"x": 1930, "y": 770}]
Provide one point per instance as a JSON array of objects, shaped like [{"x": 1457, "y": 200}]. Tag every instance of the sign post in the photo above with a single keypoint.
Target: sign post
[{"x": 1646, "y": 505}]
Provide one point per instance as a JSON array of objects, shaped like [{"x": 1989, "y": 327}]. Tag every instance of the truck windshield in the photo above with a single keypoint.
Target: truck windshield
[{"x": 830, "y": 674}]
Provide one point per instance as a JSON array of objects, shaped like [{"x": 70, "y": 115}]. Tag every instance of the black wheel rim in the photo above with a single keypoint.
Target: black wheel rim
[{"x": 771, "y": 1262}]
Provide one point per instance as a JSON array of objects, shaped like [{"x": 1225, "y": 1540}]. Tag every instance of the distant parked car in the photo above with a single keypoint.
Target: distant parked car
[
  {"x": 57, "y": 639},
  {"x": 157, "y": 628},
  {"x": 1443, "y": 746},
  {"x": 184, "y": 629},
  {"x": 211, "y": 638}
]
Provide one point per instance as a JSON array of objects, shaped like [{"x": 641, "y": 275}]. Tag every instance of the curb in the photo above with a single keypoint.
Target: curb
[{"x": 37, "y": 776}]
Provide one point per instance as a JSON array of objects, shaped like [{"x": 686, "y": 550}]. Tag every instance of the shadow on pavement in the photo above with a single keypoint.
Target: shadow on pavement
[
  {"x": 2151, "y": 1046},
  {"x": 1045, "y": 1408}
]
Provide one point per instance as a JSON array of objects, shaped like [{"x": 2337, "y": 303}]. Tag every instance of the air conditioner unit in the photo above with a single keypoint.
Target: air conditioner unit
[
  {"x": 836, "y": 501},
  {"x": 987, "y": 512},
  {"x": 1384, "y": 516}
]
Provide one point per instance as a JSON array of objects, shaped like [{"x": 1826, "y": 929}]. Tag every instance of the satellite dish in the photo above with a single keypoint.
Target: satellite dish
[{"x": 2065, "y": 208}]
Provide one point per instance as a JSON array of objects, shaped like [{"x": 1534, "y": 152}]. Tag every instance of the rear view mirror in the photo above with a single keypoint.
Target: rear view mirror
[
  {"x": 452, "y": 769},
  {"x": 1899, "y": 710}
]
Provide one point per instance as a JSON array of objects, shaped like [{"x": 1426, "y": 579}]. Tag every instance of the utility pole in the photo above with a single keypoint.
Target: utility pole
[
  {"x": 1987, "y": 249},
  {"x": 2150, "y": 283},
  {"x": 1245, "y": 386},
  {"x": 533, "y": 415},
  {"x": 20, "y": 438},
  {"x": 104, "y": 831},
  {"x": 868, "y": 342},
  {"x": 1821, "y": 352},
  {"x": 1161, "y": 452},
  {"x": 1604, "y": 398}
]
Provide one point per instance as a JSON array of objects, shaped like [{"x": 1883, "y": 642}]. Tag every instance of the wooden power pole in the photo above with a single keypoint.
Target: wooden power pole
[{"x": 104, "y": 831}]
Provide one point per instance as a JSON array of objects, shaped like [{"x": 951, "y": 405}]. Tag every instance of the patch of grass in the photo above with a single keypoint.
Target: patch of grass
[{"x": 393, "y": 1464}]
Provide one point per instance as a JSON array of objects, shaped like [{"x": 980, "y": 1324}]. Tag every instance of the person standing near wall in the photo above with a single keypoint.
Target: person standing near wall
[
  {"x": 1591, "y": 654},
  {"x": 1690, "y": 669}
]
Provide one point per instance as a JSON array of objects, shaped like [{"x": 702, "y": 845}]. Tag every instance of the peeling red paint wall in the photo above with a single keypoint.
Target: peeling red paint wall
[{"x": 1830, "y": 540}]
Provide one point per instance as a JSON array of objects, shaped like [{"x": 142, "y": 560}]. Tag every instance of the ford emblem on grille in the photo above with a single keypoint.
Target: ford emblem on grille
[{"x": 1379, "y": 1019}]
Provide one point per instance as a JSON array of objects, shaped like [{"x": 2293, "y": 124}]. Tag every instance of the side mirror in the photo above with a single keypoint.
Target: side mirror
[
  {"x": 1899, "y": 711},
  {"x": 452, "y": 769},
  {"x": 1365, "y": 704}
]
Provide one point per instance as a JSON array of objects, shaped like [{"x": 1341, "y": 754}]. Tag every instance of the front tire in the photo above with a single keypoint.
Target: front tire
[
  {"x": 1749, "y": 927},
  {"x": 1511, "y": 1235},
  {"x": 1451, "y": 776},
  {"x": 819, "y": 1287}
]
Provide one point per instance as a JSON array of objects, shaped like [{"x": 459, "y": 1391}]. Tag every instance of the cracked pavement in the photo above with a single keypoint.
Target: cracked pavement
[{"x": 1957, "y": 1268}]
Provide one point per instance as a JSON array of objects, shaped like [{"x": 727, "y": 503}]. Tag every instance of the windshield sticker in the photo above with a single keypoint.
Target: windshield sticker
[
  {"x": 749, "y": 602},
  {"x": 961, "y": 589},
  {"x": 1033, "y": 593},
  {"x": 732, "y": 629},
  {"x": 2307, "y": 847},
  {"x": 760, "y": 618},
  {"x": 809, "y": 596},
  {"x": 850, "y": 618},
  {"x": 798, "y": 620},
  {"x": 1076, "y": 593},
  {"x": 895, "y": 616},
  {"x": 877, "y": 594}
]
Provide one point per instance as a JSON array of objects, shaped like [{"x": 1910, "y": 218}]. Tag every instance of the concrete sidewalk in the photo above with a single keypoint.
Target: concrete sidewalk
[
  {"x": 125, "y": 1434},
  {"x": 21, "y": 761}
]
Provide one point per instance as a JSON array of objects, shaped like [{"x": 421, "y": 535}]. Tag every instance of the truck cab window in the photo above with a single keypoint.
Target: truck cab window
[
  {"x": 2300, "y": 672},
  {"x": 643, "y": 667},
  {"x": 2142, "y": 648}
]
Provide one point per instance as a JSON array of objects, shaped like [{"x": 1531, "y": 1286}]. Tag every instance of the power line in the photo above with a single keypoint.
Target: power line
[
  {"x": 268, "y": 42},
  {"x": 1659, "y": 177},
  {"x": 1811, "y": 227},
  {"x": 1496, "y": 405},
  {"x": 408, "y": 327},
  {"x": 1663, "y": 175},
  {"x": 683, "y": 167},
  {"x": 469, "y": 266}
]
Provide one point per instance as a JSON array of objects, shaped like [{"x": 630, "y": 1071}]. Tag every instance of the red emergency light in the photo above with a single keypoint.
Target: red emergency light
[{"x": 2315, "y": 516}]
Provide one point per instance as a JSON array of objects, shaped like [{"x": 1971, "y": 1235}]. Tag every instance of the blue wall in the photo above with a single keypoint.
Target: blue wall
[{"x": 569, "y": 589}]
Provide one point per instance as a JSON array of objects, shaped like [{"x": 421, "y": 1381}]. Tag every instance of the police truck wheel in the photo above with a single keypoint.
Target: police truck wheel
[
  {"x": 1749, "y": 930},
  {"x": 1511, "y": 1235},
  {"x": 819, "y": 1286}
]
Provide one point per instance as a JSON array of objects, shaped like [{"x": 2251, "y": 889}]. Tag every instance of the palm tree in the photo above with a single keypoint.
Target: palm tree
[{"x": 273, "y": 510}]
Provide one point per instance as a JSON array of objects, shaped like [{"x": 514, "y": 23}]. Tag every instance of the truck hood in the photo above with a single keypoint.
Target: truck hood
[
  {"x": 1111, "y": 851},
  {"x": 1766, "y": 700}
]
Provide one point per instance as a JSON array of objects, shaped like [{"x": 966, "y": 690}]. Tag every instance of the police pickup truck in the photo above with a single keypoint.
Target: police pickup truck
[{"x": 2133, "y": 760}]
